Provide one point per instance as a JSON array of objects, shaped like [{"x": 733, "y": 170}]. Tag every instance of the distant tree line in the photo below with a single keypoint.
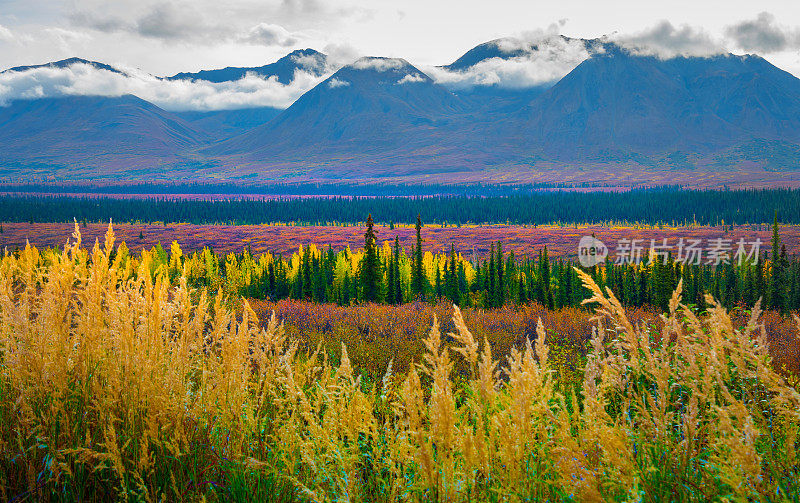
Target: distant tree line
[
  {"x": 300, "y": 189},
  {"x": 388, "y": 274},
  {"x": 544, "y": 207}
]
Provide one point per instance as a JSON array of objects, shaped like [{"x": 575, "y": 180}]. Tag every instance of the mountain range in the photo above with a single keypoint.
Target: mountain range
[{"x": 615, "y": 111}]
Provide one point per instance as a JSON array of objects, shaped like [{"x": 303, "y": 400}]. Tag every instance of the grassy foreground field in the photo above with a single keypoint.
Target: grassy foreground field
[
  {"x": 376, "y": 334},
  {"x": 121, "y": 384}
]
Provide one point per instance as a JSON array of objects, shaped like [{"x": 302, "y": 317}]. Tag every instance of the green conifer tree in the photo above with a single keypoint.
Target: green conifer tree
[
  {"x": 370, "y": 266},
  {"x": 418, "y": 280}
]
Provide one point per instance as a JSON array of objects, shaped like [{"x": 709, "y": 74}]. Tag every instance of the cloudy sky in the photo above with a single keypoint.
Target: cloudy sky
[{"x": 166, "y": 37}]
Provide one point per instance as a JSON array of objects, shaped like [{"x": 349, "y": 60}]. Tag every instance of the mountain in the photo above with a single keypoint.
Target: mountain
[
  {"x": 508, "y": 48},
  {"x": 222, "y": 124},
  {"x": 505, "y": 110},
  {"x": 501, "y": 48},
  {"x": 504, "y": 74},
  {"x": 371, "y": 106},
  {"x": 283, "y": 70},
  {"x": 615, "y": 107},
  {"x": 745, "y": 91},
  {"x": 617, "y": 104},
  {"x": 92, "y": 132},
  {"x": 65, "y": 63}
]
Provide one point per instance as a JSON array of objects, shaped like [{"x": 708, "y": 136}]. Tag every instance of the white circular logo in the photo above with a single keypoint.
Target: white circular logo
[{"x": 591, "y": 251}]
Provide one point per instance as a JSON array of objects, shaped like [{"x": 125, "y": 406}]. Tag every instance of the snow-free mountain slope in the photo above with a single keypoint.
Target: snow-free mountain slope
[
  {"x": 617, "y": 103},
  {"x": 66, "y": 63},
  {"x": 81, "y": 129},
  {"x": 373, "y": 104},
  {"x": 306, "y": 60}
]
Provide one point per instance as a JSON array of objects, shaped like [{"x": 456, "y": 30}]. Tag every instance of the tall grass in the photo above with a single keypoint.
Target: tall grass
[{"x": 115, "y": 385}]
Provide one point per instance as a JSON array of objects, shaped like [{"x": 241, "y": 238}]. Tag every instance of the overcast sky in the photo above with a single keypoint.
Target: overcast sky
[{"x": 165, "y": 37}]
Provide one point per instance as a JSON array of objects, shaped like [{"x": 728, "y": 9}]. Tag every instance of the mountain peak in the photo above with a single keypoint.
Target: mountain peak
[
  {"x": 66, "y": 63},
  {"x": 380, "y": 63},
  {"x": 376, "y": 70},
  {"x": 307, "y": 60},
  {"x": 508, "y": 48},
  {"x": 303, "y": 52}
]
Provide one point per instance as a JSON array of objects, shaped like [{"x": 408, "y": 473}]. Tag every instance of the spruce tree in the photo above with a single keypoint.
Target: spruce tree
[
  {"x": 491, "y": 281},
  {"x": 500, "y": 285},
  {"x": 344, "y": 294},
  {"x": 417, "y": 274},
  {"x": 305, "y": 274},
  {"x": 544, "y": 293},
  {"x": 271, "y": 281},
  {"x": 370, "y": 266},
  {"x": 297, "y": 285},
  {"x": 546, "y": 280},
  {"x": 396, "y": 287},
  {"x": 758, "y": 273},
  {"x": 319, "y": 281},
  {"x": 438, "y": 287},
  {"x": 390, "y": 298},
  {"x": 453, "y": 292},
  {"x": 795, "y": 295},
  {"x": 569, "y": 286},
  {"x": 463, "y": 286},
  {"x": 784, "y": 285},
  {"x": 776, "y": 277},
  {"x": 749, "y": 291},
  {"x": 281, "y": 280}
]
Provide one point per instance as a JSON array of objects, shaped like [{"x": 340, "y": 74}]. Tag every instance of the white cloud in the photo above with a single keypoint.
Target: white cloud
[
  {"x": 341, "y": 54},
  {"x": 326, "y": 11},
  {"x": 379, "y": 64},
  {"x": 546, "y": 59},
  {"x": 269, "y": 35},
  {"x": 5, "y": 34},
  {"x": 763, "y": 34},
  {"x": 85, "y": 80},
  {"x": 334, "y": 83},
  {"x": 67, "y": 39},
  {"x": 185, "y": 22},
  {"x": 666, "y": 41},
  {"x": 314, "y": 63},
  {"x": 207, "y": 22},
  {"x": 169, "y": 21},
  {"x": 411, "y": 78}
]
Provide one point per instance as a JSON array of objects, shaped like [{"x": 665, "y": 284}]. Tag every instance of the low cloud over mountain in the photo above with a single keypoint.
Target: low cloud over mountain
[
  {"x": 667, "y": 41},
  {"x": 82, "y": 78},
  {"x": 515, "y": 63}
]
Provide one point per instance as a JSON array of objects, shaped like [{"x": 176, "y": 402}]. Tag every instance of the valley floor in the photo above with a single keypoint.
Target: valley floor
[{"x": 561, "y": 241}]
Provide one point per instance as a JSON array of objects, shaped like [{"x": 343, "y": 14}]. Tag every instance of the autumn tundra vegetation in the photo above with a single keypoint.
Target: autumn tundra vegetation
[
  {"x": 120, "y": 380},
  {"x": 393, "y": 274}
]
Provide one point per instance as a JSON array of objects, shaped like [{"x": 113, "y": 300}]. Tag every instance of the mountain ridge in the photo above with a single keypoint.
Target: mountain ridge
[
  {"x": 283, "y": 69},
  {"x": 65, "y": 63},
  {"x": 386, "y": 117}
]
